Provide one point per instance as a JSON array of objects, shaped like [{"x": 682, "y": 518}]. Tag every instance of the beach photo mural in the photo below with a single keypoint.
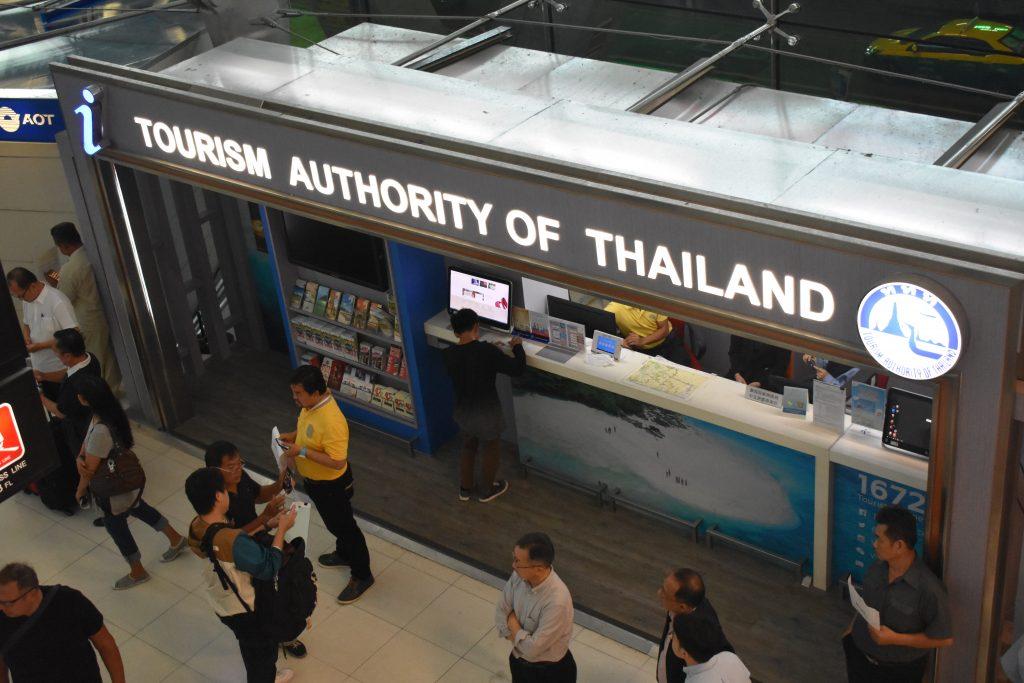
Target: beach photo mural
[{"x": 686, "y": 468}]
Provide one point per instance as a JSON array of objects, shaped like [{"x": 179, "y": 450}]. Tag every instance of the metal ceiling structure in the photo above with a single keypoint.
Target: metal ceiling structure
[{"x": 807, "y": 153}]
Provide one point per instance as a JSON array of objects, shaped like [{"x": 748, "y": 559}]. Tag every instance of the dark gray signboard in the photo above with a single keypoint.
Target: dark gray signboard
[{"x": 664, "y": 247}]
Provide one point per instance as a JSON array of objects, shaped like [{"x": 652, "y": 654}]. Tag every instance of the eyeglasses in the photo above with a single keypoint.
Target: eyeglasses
[
  {"x": 516, "y": 565},
  {"x": 233, "y": 468},
  {"x": 11, "y": 603}
]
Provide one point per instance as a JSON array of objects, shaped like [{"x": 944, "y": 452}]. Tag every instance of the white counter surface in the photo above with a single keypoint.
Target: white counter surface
[
  {"x": 721, "y": 402},
  {"x": 718, "y": 401}
]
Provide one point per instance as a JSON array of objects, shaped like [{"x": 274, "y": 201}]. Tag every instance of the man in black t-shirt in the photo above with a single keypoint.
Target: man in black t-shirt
[
  {"x": 243, "y": 491},
  {"x": 682, "y": 592},
  {"x": 473, "y": 366},
  {"x": 55, "y": 646}
]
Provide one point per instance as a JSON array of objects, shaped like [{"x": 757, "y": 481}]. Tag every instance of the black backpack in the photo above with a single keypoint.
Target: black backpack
[{"x": 284, "y": 603}]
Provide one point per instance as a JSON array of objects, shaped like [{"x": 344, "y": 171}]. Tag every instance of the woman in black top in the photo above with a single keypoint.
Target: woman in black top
[{"x": 473, "y": 366}]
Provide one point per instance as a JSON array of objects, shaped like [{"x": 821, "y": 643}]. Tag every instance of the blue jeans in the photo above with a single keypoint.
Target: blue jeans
[{"x": 117, "y": 526}]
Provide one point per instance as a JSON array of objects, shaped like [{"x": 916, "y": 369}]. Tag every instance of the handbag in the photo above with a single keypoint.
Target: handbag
[{"x": 121, "y": 472}]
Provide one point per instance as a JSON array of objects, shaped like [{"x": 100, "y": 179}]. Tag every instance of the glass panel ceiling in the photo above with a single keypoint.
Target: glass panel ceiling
[{"x": 135, "y": 41}]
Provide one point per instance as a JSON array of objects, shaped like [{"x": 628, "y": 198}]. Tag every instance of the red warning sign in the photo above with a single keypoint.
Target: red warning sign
[{"x": 12, "y": 448}]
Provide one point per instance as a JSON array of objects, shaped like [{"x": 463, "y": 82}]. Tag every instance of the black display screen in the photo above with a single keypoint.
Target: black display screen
[
  {"x": 344, "y": 254},
  {"x": 908, "y": 422},
  {"x": 27, "y": 451},
  {"x": 12, "y": 341}
]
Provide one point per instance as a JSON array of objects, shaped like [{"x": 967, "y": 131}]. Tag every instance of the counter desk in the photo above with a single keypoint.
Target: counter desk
[{"x": 773, "y": 481}]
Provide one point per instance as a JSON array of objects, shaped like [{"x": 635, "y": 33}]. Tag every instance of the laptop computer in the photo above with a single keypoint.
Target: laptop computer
[{"x": 566, "y": 340}]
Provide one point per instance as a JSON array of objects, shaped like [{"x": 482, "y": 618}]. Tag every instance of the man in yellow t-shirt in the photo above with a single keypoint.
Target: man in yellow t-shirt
[
  {"x": 319, "y": 452},
  {"x": 645, "y": 330}
]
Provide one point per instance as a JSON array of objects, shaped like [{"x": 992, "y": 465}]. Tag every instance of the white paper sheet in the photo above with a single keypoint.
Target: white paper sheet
[
  {"x": 829, "y": 406},
  {"x": 535, "y": 294},
  {"x": 870, "y": 614},
  {"x": 301, "y": 527},
  {"x": 276, "y": 449}
]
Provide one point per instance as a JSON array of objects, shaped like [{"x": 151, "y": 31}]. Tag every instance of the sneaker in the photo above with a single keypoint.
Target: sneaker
[
  {"x": 98, "y": 521},
  {"x": 497, "y": 488},
  {"x": 354, "y": 590},
  {"x": 284, "y": 675},
  {"x": 294, "y": 649},
  {"x": 332, "y": 560},
  {"x": 464, "y": 494},
  {"x": 128, "y": 581},
  {"x": 172, "y": 553}
]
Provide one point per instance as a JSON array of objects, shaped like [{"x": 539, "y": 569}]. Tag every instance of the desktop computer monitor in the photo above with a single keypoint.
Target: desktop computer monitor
[
  {"x": 908, "y": 422},
  {"x": 588, "y": 316},
  {"x": 490, "y": 297}
]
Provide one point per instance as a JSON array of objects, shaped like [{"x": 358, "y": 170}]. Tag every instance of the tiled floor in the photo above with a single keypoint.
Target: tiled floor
[{"x": 422, "y": 621}]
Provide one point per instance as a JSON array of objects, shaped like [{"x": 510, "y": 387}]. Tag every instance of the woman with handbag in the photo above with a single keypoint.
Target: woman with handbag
[{"x": 112, "y": 471}]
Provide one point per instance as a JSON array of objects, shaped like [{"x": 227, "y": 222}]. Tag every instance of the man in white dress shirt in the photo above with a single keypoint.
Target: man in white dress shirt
[
  {"x": 535, "y": 613},
  {"x": 44, "y": 310},
  {"x": 698, "y": 640}
]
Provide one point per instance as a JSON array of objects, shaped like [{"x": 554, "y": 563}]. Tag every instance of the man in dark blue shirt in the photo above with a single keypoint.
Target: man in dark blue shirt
[{"x": 912, "y": 605}]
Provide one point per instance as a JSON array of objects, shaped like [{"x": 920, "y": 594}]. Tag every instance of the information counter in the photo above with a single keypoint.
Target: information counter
[{"x": 775, "y": 481}]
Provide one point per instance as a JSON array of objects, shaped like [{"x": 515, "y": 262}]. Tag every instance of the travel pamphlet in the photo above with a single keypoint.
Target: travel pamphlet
[
  {"x": 867, "y": 405},
  {"x": 829, "y": 406}
]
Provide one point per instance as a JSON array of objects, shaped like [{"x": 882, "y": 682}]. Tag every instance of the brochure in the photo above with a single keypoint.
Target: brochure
[
  {"x": 539, "y": 329},
  {"x": 829, "y": 406},
  {"x": 868, "y": 405},
  {"x": 323, "y": 292},
  {"x": 346, "y": 308},
  {"x": 333, "y": 302},
  {"x": 309, "y": 300},
  {"x": 298, "y": 292},
  {"x": 794, "y": 400}
]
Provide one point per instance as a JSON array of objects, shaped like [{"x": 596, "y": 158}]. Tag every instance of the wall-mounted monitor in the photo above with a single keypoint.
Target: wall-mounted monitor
[
  {"x": 908, "y": 422},
  {"x": 345, "y": 254},
  {"x": 490, "y": 297}
]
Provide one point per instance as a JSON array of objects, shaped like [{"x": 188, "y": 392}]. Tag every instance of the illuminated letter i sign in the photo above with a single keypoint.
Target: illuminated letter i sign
[{"x": 89, "y": 123}]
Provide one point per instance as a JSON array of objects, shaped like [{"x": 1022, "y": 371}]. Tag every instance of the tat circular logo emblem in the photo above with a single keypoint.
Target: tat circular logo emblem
[
  {"x": 909, "y": 330},
  {"x": 9, "y": 122}
]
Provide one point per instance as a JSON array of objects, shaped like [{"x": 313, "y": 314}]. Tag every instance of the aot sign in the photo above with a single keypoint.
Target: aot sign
[
  {"x": 29, "y": 116},
  {"x": 12, "y": 448},
  {"x": 909, "y": 330}
]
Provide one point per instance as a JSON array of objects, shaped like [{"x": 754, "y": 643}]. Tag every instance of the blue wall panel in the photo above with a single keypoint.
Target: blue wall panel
[{"x": 421, "y": 290}]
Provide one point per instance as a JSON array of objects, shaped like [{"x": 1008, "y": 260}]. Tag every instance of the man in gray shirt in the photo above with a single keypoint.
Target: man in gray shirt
[
  {"x": 912, "y": 605},
  {"x": 535, "y": 613}
]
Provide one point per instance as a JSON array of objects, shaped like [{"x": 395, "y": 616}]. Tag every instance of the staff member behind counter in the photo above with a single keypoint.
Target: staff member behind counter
[
  {"x": 757, "y": 364},
  {"x": 648, "y": 332}
]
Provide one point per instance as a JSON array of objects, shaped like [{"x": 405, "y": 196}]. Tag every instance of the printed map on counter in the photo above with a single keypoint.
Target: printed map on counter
[{"x": 668, "y": 379}]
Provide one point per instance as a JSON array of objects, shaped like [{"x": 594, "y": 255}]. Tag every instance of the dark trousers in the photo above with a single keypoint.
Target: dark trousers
[
  {"x": 562, "y": 671},
  {"x": 259, "y": 653},
  {"x": 859, "y": 669},
  {"x": 467, "y": 463},
  {"x": 333, "y": 500},
  {"x": 117, "y": 526}
]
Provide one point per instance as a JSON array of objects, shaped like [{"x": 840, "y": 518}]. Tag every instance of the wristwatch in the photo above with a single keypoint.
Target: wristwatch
[{"x": 302, "y": 451}]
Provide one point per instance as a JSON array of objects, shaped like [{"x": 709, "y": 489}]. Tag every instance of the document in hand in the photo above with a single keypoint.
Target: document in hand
[
  {"x": 870, "y": 614},
  {"x": 276, "y": 448},
  {"x": 301, "y": 527}
]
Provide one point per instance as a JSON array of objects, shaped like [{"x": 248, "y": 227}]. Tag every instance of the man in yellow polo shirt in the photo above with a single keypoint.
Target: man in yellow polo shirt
[
  {"x": 645, "y": 330},
  {"x": 319, "y": 452}
]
